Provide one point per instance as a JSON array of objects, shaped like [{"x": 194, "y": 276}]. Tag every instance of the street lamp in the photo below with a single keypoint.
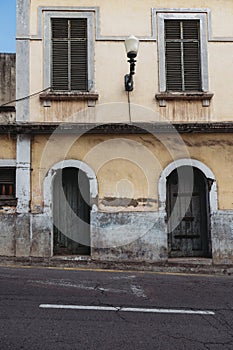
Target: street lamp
[{"x": 131, "y": 47}]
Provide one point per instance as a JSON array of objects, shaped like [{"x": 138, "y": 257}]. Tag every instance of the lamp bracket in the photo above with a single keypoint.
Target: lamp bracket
[{"x": 129, "y": 82}]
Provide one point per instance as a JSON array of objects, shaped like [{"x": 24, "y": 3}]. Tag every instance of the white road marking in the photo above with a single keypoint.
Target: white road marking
[
  {"x": 138, "y": 291},
  {"x": 68, "y": 284},
  {"x": 126, "y": 309},
  {"x": 122, "y": 277}
]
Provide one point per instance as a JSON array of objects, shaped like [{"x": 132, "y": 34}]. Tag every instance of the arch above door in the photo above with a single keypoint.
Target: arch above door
[
  {"x": 213, "y": 200},
  {"x": 69, "y": 163}
]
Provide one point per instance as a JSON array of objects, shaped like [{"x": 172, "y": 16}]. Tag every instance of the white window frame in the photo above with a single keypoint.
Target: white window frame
[
  {"x": 203, "y": 46},
  {"x": 49, "y": 15}
]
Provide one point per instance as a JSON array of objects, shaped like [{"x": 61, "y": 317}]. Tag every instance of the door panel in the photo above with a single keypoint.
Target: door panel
[
  {"x": 188, "y": 213},
  {"x": 71, "y": 212}
]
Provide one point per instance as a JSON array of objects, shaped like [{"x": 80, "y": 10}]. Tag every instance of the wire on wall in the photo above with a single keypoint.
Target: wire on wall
[
  {"x": 25, "y": 97},
  {"x": 129, "y": 106}
]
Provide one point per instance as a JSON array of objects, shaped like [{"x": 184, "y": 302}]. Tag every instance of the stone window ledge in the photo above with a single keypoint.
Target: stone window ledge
[
  {"x": 47, "y": 97},
  {"x": 7, "y": 109},
  {"x": 163, "y": 97},
  {"x": 7, "y": 201}
]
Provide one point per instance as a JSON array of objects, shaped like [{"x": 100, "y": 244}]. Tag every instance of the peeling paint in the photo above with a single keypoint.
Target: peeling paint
[
  {"x": 7, "y": 209},
  {"x": 127, "y": 202}
]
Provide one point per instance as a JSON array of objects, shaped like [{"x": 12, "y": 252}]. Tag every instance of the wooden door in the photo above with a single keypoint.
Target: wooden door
[
  {"x": 71, "y": 213},
  {"x": 188, "y": 213}
]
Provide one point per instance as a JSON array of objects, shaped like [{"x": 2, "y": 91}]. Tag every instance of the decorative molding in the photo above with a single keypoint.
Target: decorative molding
[
  {"x": 99, "y": 37},
  {"x": 96, "y": 11},
  {"x": 203, "y": 46},
  {"x": 205, "y": 97},
  {"x": 207, "y": 11},
  {"x": 69, "y": 96},
  {"x": 115, "y": 128},
  {"x": 48, "y": 182},
  {"x": 162, "y": 188},
  {"x": 47, "y": 43},
  {"x": 7, "y": 163}
]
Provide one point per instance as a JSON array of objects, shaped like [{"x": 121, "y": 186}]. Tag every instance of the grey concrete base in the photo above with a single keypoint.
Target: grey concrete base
[
  {"x": 25, "y": 235},
  {"x": 116, "y": 238},
  {"x": 7, "y": 234},
  {"x": 22, "y": 239},
  {"x": 222, "y": 237},
  {"x": 132, "y": 236},
  {"x": 41, "y": 230}
]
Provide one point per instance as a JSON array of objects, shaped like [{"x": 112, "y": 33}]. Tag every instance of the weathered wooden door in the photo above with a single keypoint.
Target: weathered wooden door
[
  {"x": 71, "y": 213},
  {"x": 188, "y": 213}
]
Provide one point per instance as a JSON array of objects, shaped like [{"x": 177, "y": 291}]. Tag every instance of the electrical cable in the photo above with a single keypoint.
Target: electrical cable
[
  {"x": 129, "y": 105},
  {"x": 25, "y": 97}
]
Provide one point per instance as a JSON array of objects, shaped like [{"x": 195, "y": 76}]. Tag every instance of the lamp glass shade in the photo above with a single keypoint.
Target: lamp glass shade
[{"x": 131, "y": 46}]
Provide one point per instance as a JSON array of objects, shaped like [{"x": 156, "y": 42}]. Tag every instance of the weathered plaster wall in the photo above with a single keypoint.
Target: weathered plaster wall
[
  {"x": 118, "y": 236},
  {"x": 127, "y": 225},
  {"x": 7, "y": 78},
  {"x": 128, "y": 167},
  {"x": 7, "y": 147},
  {"x": 222, "y": 237},
  {"x": 129, "y": 236},
  {"x": 117, "y": 20}
]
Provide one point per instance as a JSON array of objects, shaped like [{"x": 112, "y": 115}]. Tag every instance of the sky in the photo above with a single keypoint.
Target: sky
[{"x": 7, "y": 25}]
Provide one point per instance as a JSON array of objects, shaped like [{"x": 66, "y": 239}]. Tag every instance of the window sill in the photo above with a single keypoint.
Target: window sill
[
  {"x": 11, "y": 202},
  {"x": 163, "y": 97},
  {"x": 68, "y": 96}
]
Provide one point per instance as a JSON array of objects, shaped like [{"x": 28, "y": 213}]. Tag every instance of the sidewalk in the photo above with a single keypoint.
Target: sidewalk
[{"x": 175, "y": 266}]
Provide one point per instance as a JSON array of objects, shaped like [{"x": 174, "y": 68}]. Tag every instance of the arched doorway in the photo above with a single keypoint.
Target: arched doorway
[
  {"x": 71, "y": 212},
  {"x": 188, "y": 213}
]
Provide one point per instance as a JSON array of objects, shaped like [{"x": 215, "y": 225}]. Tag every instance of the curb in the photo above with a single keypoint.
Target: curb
[{"x": 84, "y": 263}]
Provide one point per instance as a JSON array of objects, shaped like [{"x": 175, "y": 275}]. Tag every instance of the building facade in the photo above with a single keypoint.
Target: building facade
[{"x": 88, "y": 169}]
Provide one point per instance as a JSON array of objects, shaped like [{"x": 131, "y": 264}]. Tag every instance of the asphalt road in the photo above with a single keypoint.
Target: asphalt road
[{"x": 29, "y": 321}]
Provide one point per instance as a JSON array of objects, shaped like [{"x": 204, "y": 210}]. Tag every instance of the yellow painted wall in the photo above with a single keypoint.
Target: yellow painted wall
[
  {"x": 129, "y": 166},
  {"x": 122, "y": 18},
  {"x": 7, "y": 147}
]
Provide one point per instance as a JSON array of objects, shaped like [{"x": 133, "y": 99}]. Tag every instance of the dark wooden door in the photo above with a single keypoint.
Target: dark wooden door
[
  {"x": 188, "y": 213},
  {"x": 71, "y": 212}
]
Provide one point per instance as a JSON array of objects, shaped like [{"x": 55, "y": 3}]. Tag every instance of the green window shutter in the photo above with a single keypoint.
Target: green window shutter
[
  {"x": 69, "y": 54},
  {"x": 182, "y": 55}
]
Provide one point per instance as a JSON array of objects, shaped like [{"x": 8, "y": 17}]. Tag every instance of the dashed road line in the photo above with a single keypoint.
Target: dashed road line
[{"x": 126, "y": 309}]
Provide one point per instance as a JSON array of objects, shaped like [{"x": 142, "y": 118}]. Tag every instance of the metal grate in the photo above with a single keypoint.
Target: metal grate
[
  {"x": 69, "y": 54},
  {"x": 182, "y": 43}
]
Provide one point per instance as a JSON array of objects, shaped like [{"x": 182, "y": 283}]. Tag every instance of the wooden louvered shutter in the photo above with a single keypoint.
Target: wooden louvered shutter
[
  {"x": 182, "y": 47},
  {"x": 79, "y": 54},
  {"x": 7, "y": 181},
  {"x": 60, "y": 63},
  {"x": 69, "y": 54}
]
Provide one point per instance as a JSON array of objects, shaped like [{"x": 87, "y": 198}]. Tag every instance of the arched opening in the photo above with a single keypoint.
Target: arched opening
[
  {"x": 71, "y": 212},
  {"x": 188, "y": 213}
]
